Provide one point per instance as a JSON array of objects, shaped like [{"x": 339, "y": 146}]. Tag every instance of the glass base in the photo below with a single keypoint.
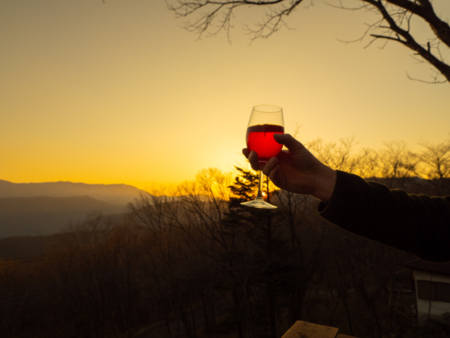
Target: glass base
[{"x": 259, "y": 203}]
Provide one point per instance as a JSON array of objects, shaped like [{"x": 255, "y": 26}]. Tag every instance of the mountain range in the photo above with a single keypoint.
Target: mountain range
[
  {"x": 121, "y": 194},
  {"x": 34, "y": 209}
]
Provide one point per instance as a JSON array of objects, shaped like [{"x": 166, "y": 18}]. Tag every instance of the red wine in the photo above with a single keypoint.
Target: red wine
[{"x": 260, "y": 139}]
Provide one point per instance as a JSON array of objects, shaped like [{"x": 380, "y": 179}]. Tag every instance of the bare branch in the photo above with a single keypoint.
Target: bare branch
[
  {"x": 407, "y": 39},
  {"x": 394, "y": 23},
  {"x": 434, "y": 81}
]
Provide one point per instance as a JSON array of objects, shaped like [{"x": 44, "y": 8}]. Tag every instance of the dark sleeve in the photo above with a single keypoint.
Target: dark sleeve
[{"x": 418, "y": 224}]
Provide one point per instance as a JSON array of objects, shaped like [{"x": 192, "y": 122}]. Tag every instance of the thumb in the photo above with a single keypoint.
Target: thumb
[{"x": 287, "y": 140}]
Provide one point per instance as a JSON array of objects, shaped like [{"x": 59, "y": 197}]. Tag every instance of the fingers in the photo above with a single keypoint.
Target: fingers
[
  {"x": 270, "y": 165},
  {"x": 272, "y": 170},
  {"x": 287, "y": 140},
  {"x": 252, "y": 157}
]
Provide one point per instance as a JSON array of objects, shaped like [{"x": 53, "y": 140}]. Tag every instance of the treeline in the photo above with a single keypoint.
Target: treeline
[{"x": 194, "y": 263}]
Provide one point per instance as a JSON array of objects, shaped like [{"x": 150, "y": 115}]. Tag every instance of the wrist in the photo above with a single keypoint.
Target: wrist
[{"x": 325, "y": 183}]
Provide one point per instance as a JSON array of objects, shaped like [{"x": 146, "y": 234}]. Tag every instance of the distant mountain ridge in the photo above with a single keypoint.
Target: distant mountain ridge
[
  {"x": 119, "y": 194},
  {"x": 15, "y": 206},
  {"x": 35, "y": 209},
  {"x": 37, "y": 216}
]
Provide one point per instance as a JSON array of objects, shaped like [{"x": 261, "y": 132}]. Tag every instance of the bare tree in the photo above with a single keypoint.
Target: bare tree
[
  {"x": 436, "y": 158},
  {"x": 368, "y": 163},
  {"x": 395, "y": 21},
  {"x": 398, "y": 161},
  {"x": 338, "y": 156},
  {"x": 435, "y": 165}
]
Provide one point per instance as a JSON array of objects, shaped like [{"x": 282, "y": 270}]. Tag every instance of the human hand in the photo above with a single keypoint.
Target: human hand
[{"x": 296, "y": 170}]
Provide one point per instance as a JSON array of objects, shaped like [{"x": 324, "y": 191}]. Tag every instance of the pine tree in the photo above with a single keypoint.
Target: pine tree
[{"x": 267, "y": 253}]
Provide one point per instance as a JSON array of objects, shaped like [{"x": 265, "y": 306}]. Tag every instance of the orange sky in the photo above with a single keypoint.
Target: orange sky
[{"x": 117, "y": 92}]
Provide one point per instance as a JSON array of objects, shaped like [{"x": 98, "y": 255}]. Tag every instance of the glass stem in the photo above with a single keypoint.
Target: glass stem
[{"x": 260, "y": 186}]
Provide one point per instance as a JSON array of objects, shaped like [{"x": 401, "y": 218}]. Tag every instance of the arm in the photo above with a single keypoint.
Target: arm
[{"x": 414, "y": 223}]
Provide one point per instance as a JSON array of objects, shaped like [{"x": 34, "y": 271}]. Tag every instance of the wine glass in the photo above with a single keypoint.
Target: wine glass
[{"x": 265, "y": 121}]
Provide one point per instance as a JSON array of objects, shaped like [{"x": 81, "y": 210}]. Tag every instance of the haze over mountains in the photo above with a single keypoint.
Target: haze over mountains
[
  {"x": 111, "y": 193},
  {"x": 46, "y": 208}
]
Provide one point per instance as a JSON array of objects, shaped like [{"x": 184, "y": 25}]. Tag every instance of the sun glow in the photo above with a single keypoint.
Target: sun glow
[{"x": 97, "y": 93}]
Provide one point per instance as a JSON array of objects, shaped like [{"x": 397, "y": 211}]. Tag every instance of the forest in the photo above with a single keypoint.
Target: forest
[{"x": 192, "y": 262}]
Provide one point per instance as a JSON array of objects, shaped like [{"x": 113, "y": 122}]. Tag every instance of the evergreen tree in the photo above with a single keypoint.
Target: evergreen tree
[{"x": 266, "y": 254}]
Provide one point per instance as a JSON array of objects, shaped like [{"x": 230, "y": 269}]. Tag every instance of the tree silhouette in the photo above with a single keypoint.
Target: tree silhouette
[
  {"x": 396, "y": 20},
  {"x": 197, "y": 263}
]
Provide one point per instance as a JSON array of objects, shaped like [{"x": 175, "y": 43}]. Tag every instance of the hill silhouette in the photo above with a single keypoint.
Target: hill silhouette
[
  {"x": 25, "y": 247},
  {"x": 37, "y": 216},
  {"x": 120, "y": 194},
  {"x": 35, "y": 209}
]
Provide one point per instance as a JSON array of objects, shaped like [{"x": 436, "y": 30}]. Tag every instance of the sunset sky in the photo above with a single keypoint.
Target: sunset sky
[{"x": 119, "y": 92}]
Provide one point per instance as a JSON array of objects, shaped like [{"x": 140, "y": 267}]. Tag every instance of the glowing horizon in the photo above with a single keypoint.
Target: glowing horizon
[{"x": 118, "y": 93}]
